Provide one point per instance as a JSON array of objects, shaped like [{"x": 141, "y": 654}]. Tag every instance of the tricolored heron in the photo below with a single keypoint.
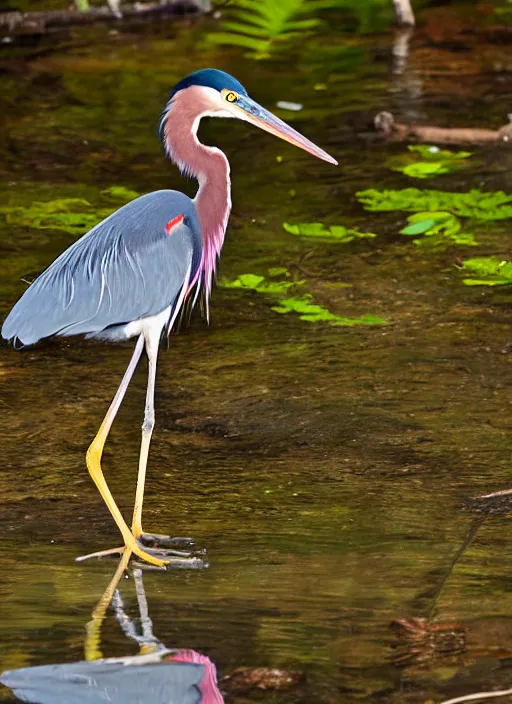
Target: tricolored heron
[{"x": 133, "y": 272}]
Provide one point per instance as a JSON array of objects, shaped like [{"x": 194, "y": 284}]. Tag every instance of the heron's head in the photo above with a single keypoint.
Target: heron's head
[{"x": 214, "y": 93}]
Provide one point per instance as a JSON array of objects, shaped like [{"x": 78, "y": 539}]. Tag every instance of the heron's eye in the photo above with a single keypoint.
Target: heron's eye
[{"x": 231, "y": 97}]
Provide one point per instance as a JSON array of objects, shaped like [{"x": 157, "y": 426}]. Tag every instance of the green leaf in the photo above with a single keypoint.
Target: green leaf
[
  {"x": 418, "y": 228},
  {"x": 441, "y": 228},
  {"x": 120, "y": 193},
  {"x": 258, "y": 283},
  {"x": 484, "y": 266},
  {"x": 498, "y": 281},
  {"x": 432, "y": 161},
  {"x": 313, "y": 313},
  {"x": 320, "y": 231},
  {"x": 308, "y": 311},
  {"x": 72, "y": 215},
  {"x": 424, "y": 169},
  {"x": 429, "y": 152},
  {"x": 278, "y": 271},
  {"x": 494, "y": 271},
  {"x": 485, "y": 206}
]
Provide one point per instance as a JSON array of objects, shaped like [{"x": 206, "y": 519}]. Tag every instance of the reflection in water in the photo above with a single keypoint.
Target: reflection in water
[{"x": 157, "y": 674}]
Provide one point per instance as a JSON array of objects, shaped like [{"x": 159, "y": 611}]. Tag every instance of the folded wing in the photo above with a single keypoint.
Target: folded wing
[{"x": 128, "y": 267}]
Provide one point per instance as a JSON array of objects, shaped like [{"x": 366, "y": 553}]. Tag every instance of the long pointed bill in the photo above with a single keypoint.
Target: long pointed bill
[{"x": 247, "y": 109}]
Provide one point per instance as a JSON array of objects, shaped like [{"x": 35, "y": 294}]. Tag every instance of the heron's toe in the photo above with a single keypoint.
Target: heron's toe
[
  {"x": 166, "y": 541},
  {"x": 174, "y": 559}
]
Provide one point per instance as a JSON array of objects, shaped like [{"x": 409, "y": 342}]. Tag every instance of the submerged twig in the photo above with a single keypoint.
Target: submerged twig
[
  {"x": 478, "y": 696},
  {"x": 385, "y": 123},
  {"x": 468, "y": 539}
]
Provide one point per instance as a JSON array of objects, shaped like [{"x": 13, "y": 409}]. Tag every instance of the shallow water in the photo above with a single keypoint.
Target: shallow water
[{"x": 326, "y": 470}]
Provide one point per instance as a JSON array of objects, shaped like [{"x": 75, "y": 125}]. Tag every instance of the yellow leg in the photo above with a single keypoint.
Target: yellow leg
[
  {"x": 92, "y": 645},
  {"x": 93, "y": 459},
  {"x": 152, "y": 339},
  {"x": 94, "y": 465},
  {"x": 147, "y": 432},
  {"x": 139, "y": 495}
]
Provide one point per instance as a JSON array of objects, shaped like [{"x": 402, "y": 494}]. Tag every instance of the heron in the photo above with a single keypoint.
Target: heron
[{"x": 132, "y": 274}]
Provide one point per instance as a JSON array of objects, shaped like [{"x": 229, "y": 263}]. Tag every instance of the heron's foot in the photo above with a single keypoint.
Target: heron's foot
[
  {"x": 101, "y": 553},
  {"x": 154, "y": 540},
  {"x": 160, "y": 558},
  {"x": 135, "y": 548},
  {"x": 167, "y": 548}
]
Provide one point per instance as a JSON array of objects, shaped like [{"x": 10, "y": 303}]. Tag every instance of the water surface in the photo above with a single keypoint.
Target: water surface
[{"x": 325, "y": 469}]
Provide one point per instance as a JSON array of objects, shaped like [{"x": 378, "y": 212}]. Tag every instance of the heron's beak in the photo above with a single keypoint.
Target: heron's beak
[{"x": 247, "y": 109}]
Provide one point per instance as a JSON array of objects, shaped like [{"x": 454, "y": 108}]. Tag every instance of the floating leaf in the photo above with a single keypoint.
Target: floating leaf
[
  {"x": 278, "y": 271},
  {"x": 424, "y": 169},
  {"x": 433, "y": 161},
  {"x": 440, "y": 227},
  {"x": 72, "y": 215},
  {"x": 478, "y": 204},
  {"x": 313, "y": 313},
  {"x": 65, "y": 214},
  {"x": 418, "y": 228},
  {"x": 308, "y": 311},
  {"x": 495, "y": 272},
  {"x": 320, "y": 231},
  {"x": 258, "y": 283},
  {"x": 120, "y": 193},
  {"x": 433, "y": 153}
]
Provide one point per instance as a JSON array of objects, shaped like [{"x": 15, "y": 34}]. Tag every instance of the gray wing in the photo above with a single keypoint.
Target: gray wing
[
  {"x": 124, "y": 269},
  {"x": 103, "y": 681}
]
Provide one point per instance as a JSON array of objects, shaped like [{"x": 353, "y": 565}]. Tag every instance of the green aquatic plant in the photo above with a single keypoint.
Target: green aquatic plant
[
  {"x": 72, "y": 215},
  {"x": 308, "y": 311},
  {"x": 438, "y": 229},
  {"x": 491, "y": 271},
  {"x": 120, "y": 193},
  {"x": 313, "y": 313},
  {"x": 474, "y": 204},
  {"x": 316, "y": 230},
  {"x": 432, "y": 161},
  {"x": 265, "y": 26},
  {"x": 278, "y": 271},
  {"x": 255, "y": 282}
]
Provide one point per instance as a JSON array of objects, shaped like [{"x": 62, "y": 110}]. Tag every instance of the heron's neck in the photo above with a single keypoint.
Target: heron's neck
[{"x": 211, "y": 169}]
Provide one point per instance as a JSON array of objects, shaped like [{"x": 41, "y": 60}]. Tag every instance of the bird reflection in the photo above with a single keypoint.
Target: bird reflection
[{"x": 158, "y": 674}]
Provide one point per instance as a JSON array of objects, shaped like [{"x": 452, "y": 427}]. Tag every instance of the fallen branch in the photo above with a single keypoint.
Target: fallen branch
[
  {"x": 385, "y": 123},
  {"x": 40, "y": 22}
]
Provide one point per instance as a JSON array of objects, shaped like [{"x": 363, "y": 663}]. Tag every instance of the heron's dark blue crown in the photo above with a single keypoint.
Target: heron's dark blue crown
[{"x": 210, "y": 78}]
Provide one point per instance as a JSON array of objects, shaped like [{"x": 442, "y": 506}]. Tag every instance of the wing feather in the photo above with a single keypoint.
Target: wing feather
[{"x": 124, "y": 269}]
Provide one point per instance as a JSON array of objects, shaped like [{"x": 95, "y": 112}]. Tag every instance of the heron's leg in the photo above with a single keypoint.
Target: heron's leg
[
  {"x": 152, "y": 339},
  {"x": 95, "y": 452},
  {"x": 147, "y": 431}
]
